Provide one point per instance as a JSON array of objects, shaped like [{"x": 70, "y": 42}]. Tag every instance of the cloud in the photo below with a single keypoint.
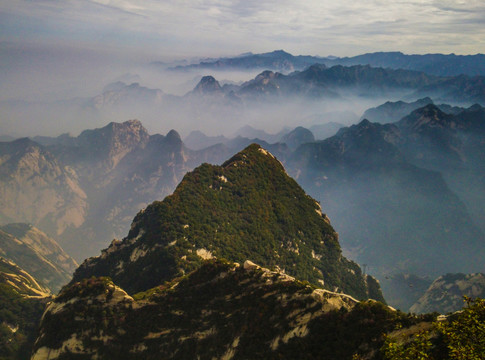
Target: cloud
[{"x": 218, "y": 27}]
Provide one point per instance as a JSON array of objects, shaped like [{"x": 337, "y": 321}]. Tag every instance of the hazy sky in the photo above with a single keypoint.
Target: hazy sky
[{"x": 181, "y": 28}]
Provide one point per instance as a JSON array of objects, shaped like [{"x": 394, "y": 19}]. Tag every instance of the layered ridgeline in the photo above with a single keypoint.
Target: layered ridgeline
[
  {"x": 36, "y": 187},
  {"x": 248, "y": 208},
  {"x": 22, "y": 302},
  {"x": 395, "y": 213},
  {"x": 220, "y": 311},
  {"x": 279, "y": 60},
  {"x": 32, "y": 267},
  {"x": 38, "y": 254}
]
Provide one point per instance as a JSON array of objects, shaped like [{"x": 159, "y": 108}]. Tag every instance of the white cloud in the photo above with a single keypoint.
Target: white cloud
[{"x": 215, "y": 27}]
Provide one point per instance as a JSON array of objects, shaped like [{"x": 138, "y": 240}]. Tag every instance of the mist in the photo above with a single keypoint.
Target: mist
[{"x": 53, "y": 90}]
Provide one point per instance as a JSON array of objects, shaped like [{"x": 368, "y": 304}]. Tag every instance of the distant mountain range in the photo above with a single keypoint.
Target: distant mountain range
[
  {"x": 316, "y": 82},
  {"x": 295, "y": 98},
  {"x": 319, "y": 81},
  {"x": 279, "y": 60},
  {"x": 395, "y": 111}
]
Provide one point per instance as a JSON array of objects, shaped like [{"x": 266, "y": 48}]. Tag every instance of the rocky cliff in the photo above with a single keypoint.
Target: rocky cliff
[{"x": 222, "y": 310}]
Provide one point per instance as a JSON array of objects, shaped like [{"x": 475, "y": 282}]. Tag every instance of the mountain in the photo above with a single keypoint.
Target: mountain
[
  {"x": 222, "y": 310},
  {"x": 122, "y": 169},
  {"x": 85, "y": 190},
  {"x": 434, "y": 64},
  {"x": 105, "y": 147},
  {"x": 197, "y": 140},
  {"x": 403, "y": 290},
  {"x": 22, "y": 302},
  {"x": 323, "y": 131},
  {"x": 430, "y": 137},
  {"x": 319, "y": 82},
  {"x": 207, "y": 85},
  {"x": 237, "y": 144},
  {"x": 453, "y": 145},
  {"x": 37, "y": 254},
  {"x": 42, "y": 244},
  {"x": 20, "y": 281},
  {"x": 393, "y": 111},
  {"x": 297, "y": 136},
  {"x": 250, "y": 132},
  {"x": 459, "y": 89},
  {"x": 446, "y": 293},
  {"x": 216, "y": 211},
  {"x": 124, "y": 95},
  {"x": 392, "y": 215},
  {"x": 36, "y": 187},
  {"x": 216, "y": 149},
  {"x": 278, "y": 60}
]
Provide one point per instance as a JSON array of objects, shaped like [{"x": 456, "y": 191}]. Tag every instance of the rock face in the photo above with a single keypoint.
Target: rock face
[
  {"x": 20, "y": 280},
  {"x": 247, "y": 208},
  {"x": 37, "y": 254},
  {"x": 36, "y": 187},
  {"x": 22, "y": 301},
  {"x": 42, "y": 244},
  {"x": 222, "y": 310},
  {"x": 85, "y": 190},
  {"x": 446, "y": 293}
]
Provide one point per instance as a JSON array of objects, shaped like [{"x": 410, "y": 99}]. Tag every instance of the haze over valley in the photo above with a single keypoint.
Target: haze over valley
[{"x": 242, "y": 180}]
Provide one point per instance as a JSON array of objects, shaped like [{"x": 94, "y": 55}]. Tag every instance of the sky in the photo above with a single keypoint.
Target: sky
[{"x": 185, "y": 28}]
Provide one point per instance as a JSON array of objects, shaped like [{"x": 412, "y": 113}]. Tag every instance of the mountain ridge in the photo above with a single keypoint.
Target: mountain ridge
[{"x": 435, "y": 64}]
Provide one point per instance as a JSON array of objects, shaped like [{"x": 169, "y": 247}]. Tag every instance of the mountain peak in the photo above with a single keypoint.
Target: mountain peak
[
  {"x": 429, "y": 109},
  {"x": 248, "y": 208},
  {"x": 207, "y": 85},
  {"x": 113, "y": 141},
  {"x": 298, "y": 136},
  {"x": 281, "y": 53},
  {"x": 317, "y": 68},
  {"x": 173, "y": 136},
  {"x": 426, "y": 116},
  {"x": 364, "y": 123},
  {"x": 251, "y": 155},
  {"x": 265, "y": 77}
]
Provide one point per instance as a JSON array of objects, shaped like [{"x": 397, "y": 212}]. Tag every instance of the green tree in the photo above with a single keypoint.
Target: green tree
[
  {"x": 464, "y": 336},
  {"x": 460, "y": 337}
]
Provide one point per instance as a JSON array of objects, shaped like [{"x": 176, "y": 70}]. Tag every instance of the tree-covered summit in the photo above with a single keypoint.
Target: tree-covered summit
[{"x": 248, "y": 208}]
